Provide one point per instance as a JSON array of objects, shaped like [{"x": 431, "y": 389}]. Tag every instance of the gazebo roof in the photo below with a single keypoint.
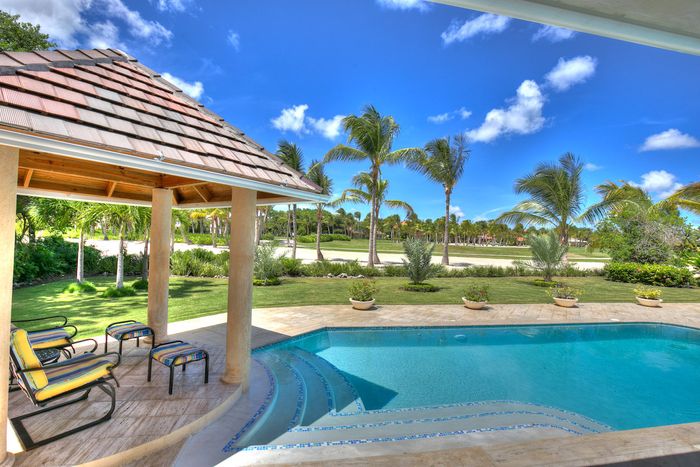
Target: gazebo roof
[{"x": 106, "y": 108}]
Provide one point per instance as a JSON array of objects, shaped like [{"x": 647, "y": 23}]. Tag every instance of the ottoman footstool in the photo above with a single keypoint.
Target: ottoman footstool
[
  {"x": 178, "y": 353},
  {"x": 126, "y": 330}
]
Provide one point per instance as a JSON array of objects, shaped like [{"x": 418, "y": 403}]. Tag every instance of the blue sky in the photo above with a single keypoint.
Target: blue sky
[{"x": 282, "y": 69}]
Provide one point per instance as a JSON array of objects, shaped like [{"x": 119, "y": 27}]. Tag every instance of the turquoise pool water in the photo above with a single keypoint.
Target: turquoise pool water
[{"x": 623, "y": 375}]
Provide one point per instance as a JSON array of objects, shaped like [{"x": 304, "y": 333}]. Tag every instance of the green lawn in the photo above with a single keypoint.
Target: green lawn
[
  {"x": 194, "y": 297},
  {"x": 502, "y": 252}
]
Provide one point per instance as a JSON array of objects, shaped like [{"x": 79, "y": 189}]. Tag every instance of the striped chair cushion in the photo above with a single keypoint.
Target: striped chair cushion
[
  {"x": 177, "y": 353},
  {"x": 129, "y": 331},
  {"x": 26, "y": 359},
  {"x": 49, "y": 338},
  {"x": 63, "y": 379}
]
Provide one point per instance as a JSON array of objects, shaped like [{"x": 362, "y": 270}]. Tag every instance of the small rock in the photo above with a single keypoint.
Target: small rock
[
  {"x": 329, "y": 275},
  {"x": 342, "y": 275},
  {"x": 360, "y": 276}
]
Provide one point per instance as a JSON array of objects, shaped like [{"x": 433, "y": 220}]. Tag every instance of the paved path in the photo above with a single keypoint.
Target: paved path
[{"x": 307, "y": 255}]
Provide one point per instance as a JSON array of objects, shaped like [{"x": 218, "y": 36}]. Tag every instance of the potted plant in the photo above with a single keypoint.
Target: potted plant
[
  {"x": 648, "y": 296},
  {"x": 476, "y": 296},
  {"x": 362, "y": 294},
  {"x": 564, "y": 295}
]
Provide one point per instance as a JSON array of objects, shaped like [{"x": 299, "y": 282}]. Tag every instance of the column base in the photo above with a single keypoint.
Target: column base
[{"x": 9, "y": 460}]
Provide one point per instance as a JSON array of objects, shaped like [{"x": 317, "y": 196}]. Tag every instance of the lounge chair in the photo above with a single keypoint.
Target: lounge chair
[
  {"x": 48, "y": 383},
  {"x": 51, "y": 335}
]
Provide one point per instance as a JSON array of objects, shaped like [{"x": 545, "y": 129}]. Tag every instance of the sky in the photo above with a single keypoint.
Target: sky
[{"x": 522, "y": 93}]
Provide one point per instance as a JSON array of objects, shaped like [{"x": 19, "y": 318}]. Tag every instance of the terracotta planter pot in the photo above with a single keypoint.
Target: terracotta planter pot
[
  {"x": 651, "y": 302},
  {"x": 473, "y": 305},
  {"x": 566, "y": 302},
  {"x": 360, "y": 305}
]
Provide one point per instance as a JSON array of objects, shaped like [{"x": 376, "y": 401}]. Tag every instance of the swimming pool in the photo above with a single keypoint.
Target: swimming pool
[{"x": 361, "y": 385}]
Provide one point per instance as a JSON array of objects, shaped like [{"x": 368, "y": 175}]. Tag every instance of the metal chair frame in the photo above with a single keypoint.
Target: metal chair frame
[
  {"x": 172, "y": 367},
  {"x": 121, "y": 341}
]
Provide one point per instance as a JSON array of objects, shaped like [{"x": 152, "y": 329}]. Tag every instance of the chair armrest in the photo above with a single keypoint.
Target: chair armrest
[
  {"x": 44, "y": 318},
  {"x": 94, "y": 344},
  {"x": 66, "y": 363}
]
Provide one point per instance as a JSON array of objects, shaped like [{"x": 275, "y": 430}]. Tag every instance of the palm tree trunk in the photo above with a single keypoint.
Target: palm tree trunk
[
  {"x": 294, "y": 231},
  {"x": 370, "y": 259},
  {"x": 213, "y": 231},
  {"x": 564, "y": 239},
  {"x": 80, "y": 268},
  {"x": 319, "y": 224},
  {"x": 103, "y": 226},
  {"x": 120, "y": 258},
  {"x": 289, "y": 223},
  {"x": 446, "y": 235},
  {"x": 374, "y": 234}
]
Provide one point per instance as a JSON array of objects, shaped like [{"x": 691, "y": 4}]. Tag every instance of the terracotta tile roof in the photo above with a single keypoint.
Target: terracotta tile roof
[{"x": 105, "y": 98}]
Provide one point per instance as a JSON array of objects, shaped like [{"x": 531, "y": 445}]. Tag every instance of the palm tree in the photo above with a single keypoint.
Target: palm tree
[
  {"x": 556, "y": 197},
  {"x": 443, "y": 162},
  {"x": 687, "y": 198},
  {"x": 372, "y": 136},
  {"x": 292, "y": 155},
  {"x": 366, "y": 193},
  {"x": 317, "y": 175}
]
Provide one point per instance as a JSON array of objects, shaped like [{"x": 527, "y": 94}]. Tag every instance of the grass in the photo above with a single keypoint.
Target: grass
[
  {"x": 195, "y": 297},
  {"x": 502, "y": 252}
]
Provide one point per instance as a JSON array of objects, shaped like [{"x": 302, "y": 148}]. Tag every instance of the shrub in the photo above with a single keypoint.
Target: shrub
[
  {"x": 140, "y": 284},
  {"x": 132, "y": 265},
  {"x": 547, "y": 254},
  {"x": 324, "y": 238},
  {"x": 650, "y": 293},
  {"x": 650, "y": 274},
  {"x": 199, "y": 262},
  {"x": 476, "y": 293},
  {"x": 395, "y": 271},
  {"x": 362, "y": 290},
  {"x": 267, "y": 266},
  {"x": 113, "y": 292},
  {"x": 267, "y": 282},
  {"x": 419, "y": 254},
  {"x": 544, "y": 283},
  {"x": 291, "y": 267},
  {"x": 564, "y": 291},
  {"x": 80, "y": 287},
  {"x": 422, "y": 287},
  {"x": 267, "y": 236},
  {"x": 351, "y": 268}
]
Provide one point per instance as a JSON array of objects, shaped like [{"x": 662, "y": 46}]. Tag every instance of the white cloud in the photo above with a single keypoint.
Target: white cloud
[
  {"x": 523, "y": 115},
  {"x": 457, "y": 211},
  {"x": 173, "y": 5},
  {"x": 669, "y": 139},
  {"x": 591, "y": 167},
  {"x": 292, "y": 119},
  {"x": 440, "y": 118},
  {"x": 462, "y": 113},
  {"x": 234, "y": 39},
  {"x": 553, "y": 34},
  {"x": 570, "y": 72},
  {"x": 194, "y": 90},
  {"x": 483, "y": 24},
  {"x": 659, "y": 182},
  {"x": 420, "y": 5},
  {"x": 328, "y": 128},
  {"x": 65, "y": 21}
]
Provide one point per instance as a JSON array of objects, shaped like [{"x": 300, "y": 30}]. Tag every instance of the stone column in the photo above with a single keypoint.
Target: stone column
[
  {"x": 240, "y": 287},
  {"x": 9, "y": 160},
  {"x": 159, "y": 262}
]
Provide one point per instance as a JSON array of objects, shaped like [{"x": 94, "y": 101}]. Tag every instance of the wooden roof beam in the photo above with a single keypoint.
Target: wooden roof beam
[
  {"x": 203, "y": 192},
  {"x": 111, "y": 186},
  {"x": 27, "y": 178}
]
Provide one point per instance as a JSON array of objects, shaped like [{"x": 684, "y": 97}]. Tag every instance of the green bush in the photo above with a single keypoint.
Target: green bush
[
  {"x": 291, "y": 267},
  {"x": 395, "y": 271},
  {"x": 650, "y": 274},
  {"x": 267, "y": 282},
  {"x": 50, "y": 257},
  {"x": 113, "y": 292},
  {"x": 419, "y": 254},
  {"x": 140, "y": 284},
  {"x": 476, "y": 293},
  {"x": 421, "y": 287},
  {"x": 648, "y": 292},
  {"x": 80, "y": 287},
  {"x": 324, "y": 238},
  {"x": 565, "y": 292},
  {"x": 133, "y": 265},
  {"x": 199, "y": 262},
  {"x": 362, "y": 290},
  {"x": 351, "y": 268},
  {"x": 267, "y": 266}
]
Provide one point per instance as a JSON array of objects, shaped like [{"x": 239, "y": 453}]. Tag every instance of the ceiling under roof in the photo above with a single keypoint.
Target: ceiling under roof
[{"x": 667, "y": 24}]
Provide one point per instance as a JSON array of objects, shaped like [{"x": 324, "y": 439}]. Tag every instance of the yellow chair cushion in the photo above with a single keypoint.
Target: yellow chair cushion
[
  {"x": 27, "y": 359},
  {"x": 79, "y": 373}
]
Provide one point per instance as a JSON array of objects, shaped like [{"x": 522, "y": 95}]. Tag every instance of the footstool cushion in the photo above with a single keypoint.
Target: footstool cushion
[
  {"x": 124, "y": 331},
  {"x": 177, "y": 353}
]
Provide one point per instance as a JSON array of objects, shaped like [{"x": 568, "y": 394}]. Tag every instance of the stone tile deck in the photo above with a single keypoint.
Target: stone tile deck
[{"x": 145, "y": 411}]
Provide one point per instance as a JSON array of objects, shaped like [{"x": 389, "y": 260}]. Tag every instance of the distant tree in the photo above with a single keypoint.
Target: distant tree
[
  {"x": 16, "y": 36},
  {"x": 318, "y": 176},
  {"x": 442, "y": 161}
]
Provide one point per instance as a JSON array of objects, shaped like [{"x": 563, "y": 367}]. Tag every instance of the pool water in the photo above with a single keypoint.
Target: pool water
[{"x": 622, "y": 376}]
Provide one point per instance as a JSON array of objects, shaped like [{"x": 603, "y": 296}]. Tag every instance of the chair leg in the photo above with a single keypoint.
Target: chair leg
[
  {"x": 206, "y": 368},
  {"x": 184, "y": 365},
  {"x": 150, "y": 365},
  {"x": 120, "y": 346},
  {"x": 138, "y": 342},
  {"x": 170, "y": 385},
  {"x": 28, "y": 443},
  {"x": 105, "y": 341}
]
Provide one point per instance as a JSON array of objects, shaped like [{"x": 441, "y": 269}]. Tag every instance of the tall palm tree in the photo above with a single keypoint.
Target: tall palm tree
[
  {"x": 317, "y": 175},
  {"x": 687, "y": 198},
  {"x": 372, "y": 136},
  {"x": 443, "y": 162},
  {"x": 292, "y": 155},
  {"x": 556, "y": 197}
]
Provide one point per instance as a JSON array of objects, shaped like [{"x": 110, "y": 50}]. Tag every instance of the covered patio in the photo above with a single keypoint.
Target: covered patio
[{"x": 96, "y": 125}]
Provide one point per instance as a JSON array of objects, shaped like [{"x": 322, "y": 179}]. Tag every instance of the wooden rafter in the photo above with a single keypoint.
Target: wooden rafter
[
  {"x": 203, "y": 192},
  {"x": 111, "y": 186},
  {"x": 27, "y": 178}
]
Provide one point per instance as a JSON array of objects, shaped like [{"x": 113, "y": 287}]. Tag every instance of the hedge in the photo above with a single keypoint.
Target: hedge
[
  {"x": 324, "y": 238},
  {"x": 650, "y": 274}
]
